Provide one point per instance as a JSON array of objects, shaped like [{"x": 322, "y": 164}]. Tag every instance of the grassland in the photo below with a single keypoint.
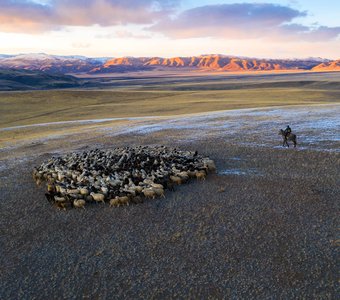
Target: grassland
[
  {"x": 14, "y": 80},
  {"x": 265, "y": 226},
  {"x": 137, "y": 97}
]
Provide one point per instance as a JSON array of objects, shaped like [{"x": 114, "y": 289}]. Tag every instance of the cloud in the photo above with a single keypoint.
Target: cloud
[
  {"x": 81, "y": 45},
  {"x": 123, "y": 34},
  {"x": 242, "y": 21},
  {"x": 29, "y": 16}
]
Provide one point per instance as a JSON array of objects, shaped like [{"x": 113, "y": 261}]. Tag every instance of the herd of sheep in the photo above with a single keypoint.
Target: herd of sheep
[{"x": 119, "y": 176}]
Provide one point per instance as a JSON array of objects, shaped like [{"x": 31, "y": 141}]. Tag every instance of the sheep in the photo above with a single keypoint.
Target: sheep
[
  {"x": 130, "y": 190},
  {"x": 72, "y": 191},
  {"x": 158, "y": 191},
  {"x": 62, "y": 190},
  {"x": 60, "y": 176},
  {"x": 200, "y": 175},
  {"x": 105, "y": 190},
  {"x": 84, "y": 191},
  {"x": 94, "y": 176},
  {"x": 79, "y": 203},
  {"x": 50, "y": 188},
  {"x": 192, "y": 174},
  {"x": 98, "y": 197},
  {"x": 149, "y": 193},
  {"x": 59, "y": 199},
  {"x": 184, "y": 176},
  {"x": 210, "y": 164},
  {"x": 38, "y": 180},
  {"x": 124, "y": 200},
  {"x": 57, "y": 188},
  {"x": 157, "y": 186},
  {"x": 88, "y": 198},
  {"x": 74, "y": 196},
  {"x": 114, "y": 202},
  {"x": 138, "y": 188},
  {"x": 50, "y": 179},
  {"x": 117, "y": 201},
  {"x": 60, "y": 205},
  {"x": 176, "y": 179},
  {"x": 148, "y": 181}
]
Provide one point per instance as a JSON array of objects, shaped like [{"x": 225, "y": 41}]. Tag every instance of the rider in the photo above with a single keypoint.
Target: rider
[{"x": 287, "y": 131}]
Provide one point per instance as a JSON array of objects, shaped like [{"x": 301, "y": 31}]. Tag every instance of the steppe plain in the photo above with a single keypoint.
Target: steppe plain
[{"x": 265, "y": 226}]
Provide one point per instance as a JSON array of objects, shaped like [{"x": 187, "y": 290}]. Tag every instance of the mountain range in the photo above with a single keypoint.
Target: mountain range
[{"x": 54, "y": 64}]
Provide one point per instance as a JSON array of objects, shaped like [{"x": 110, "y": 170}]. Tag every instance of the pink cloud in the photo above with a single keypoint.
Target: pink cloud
[
  {"x": 242, "y": 21},
  {"x": 28, "y": 16}
]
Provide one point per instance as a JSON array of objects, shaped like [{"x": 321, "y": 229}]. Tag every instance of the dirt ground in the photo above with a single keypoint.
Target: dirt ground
[{"x": 265, "y": 226}]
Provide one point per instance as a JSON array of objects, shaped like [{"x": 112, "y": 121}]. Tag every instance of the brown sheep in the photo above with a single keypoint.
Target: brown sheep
[
  {"x": 117, "y": 201},
  {"x": 124, "y": 200},
  {"x": 176, "y": 179},
  {"x": 200, "y": 175},
  {"x": 192, "y": 174},
  {"x": 149, "y": 193},
  {"x": 158, "y": 191},
  {"x": 50, "y": 188},
  {"x": 114, "y": 202}
]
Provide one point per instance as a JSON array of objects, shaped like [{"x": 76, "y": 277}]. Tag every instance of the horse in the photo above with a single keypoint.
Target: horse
[{"x": 289, "y": 137}]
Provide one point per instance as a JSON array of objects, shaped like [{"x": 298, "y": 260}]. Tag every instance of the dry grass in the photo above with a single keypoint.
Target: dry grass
[
  {"x": 166, "y": 96},
  {"x": 26, "y": 108}
]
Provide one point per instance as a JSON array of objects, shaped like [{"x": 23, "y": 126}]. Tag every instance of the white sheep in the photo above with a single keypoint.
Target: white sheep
[
  {"x": 79, "y": 203},
  {"x": 98, "y": 197},
  {"x": 84, "y": 191}
]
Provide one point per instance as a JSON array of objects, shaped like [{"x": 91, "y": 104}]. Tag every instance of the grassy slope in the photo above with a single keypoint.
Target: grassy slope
[
  {"x": 32, "y": 80},
  {"x": 164, "y": 97}
]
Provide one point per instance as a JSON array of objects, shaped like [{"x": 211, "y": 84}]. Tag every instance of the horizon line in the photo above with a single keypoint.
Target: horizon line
[{"x": 168, "y": 57}]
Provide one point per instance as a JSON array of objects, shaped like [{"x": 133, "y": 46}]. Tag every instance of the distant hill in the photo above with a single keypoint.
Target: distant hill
[
  {"x": 208, "y": 62},
  {"x": 31, "y": 80},
  {"x": 53, "y": 64},
  {"x": 328, "y": 66},
  {"x": 50, "y": 63}
]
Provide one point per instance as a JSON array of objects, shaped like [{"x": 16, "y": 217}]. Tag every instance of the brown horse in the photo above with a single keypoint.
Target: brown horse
[{"x": 289, "y": 137}]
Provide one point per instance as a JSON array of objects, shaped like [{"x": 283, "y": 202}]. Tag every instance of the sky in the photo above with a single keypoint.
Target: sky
[{"x": 170, "y": 28}]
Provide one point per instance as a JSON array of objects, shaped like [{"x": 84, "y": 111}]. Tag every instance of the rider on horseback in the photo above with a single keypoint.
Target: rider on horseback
[{"x": 287, "y": 131}]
